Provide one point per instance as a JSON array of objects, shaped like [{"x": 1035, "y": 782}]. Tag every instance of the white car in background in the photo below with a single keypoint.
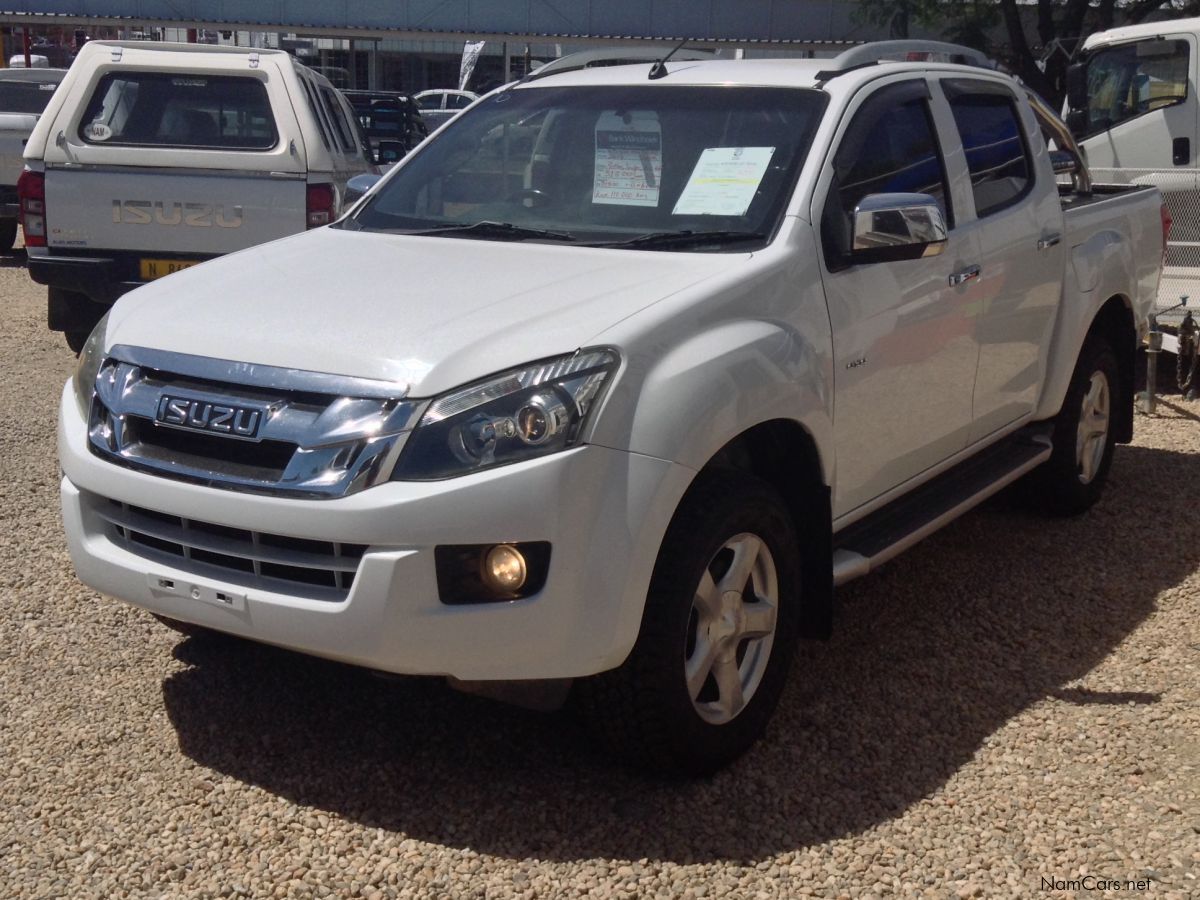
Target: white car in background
[{"x": 440, "y": 106}]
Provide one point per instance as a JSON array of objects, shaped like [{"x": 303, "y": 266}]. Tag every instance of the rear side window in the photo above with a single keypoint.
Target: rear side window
[
  {"x": 156, "y": 109},
  {"x": 458, "y": 101},
  {"x": 25, "y": 96},
  {"x": 995, "y": 147},
  {"x": 890, "y": 147},
  {"x": 318, "y": 113},
  {"x": 340, "y": 126}
]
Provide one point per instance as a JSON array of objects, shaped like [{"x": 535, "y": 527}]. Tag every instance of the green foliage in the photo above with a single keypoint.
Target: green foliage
[{"x": 1035, "y": 38}]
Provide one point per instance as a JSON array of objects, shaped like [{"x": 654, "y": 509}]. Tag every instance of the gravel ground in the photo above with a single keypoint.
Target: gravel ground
[{"x": 1015, "y": 699}]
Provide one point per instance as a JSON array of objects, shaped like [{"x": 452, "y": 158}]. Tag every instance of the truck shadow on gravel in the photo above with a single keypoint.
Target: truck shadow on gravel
[
  {"x": 14, "y": 259},
  {"x": 931, "y": 656}
]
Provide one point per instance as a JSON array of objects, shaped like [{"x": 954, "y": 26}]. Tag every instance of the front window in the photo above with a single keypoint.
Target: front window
[
  {"x": 669, "y": 166},
  {"x": 156, "y": 109},
  {"x": 1130, "y": 80}
]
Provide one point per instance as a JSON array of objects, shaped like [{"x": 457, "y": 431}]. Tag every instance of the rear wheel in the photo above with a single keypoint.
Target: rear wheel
[
  {"x": 1073, "y": 479},
  {"x": 717, "y": 635},
  {"x": 8, "y": 236},
  {"x": 76, "y": 340},
  {"x": 73, "y": 313}
]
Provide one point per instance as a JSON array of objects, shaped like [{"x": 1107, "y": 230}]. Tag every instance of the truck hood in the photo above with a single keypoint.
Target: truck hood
[{"x": 431, "y": 313}]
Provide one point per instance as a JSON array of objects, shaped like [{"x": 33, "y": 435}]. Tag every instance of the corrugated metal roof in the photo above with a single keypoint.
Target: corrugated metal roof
[{"x": 751, "y": 22}]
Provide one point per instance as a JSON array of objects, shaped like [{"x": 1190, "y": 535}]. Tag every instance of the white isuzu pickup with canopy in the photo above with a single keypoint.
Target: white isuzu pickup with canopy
[
  {"x": 695, "y": 342},
  {"x": 154, "y": 157}
]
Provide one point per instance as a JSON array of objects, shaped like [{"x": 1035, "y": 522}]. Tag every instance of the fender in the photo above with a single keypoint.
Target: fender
[
  {"x": 688, "y": 403},
  {"x": 721, "y": 382},
  {"x": 1101, "y": 267}
]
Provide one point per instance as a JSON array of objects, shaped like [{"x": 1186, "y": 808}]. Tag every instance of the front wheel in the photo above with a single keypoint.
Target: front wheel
[
  {"x": 1072, "y": 480},
  {"x": 717, "y": 635}
]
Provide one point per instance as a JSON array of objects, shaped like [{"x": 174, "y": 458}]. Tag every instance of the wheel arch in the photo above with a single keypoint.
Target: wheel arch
[
  {"x": 785, "y": 455},
  {"x": 1114, "y": 323},
  {"x": 1113, "y": 320}
]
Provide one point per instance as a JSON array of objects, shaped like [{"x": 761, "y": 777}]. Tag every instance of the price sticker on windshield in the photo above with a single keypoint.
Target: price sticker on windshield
[
  {"x": 628, "y": 159},
  {"x": 724, "y": 181}
]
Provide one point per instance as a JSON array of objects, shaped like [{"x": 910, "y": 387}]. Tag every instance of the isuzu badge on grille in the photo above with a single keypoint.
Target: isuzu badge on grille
[{"x": 204, "y": 415}]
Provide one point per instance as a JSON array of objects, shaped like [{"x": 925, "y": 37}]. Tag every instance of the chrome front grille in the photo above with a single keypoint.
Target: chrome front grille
[
  {"x": 315, "y": 435},
  {"x": 319, "y": 570}
]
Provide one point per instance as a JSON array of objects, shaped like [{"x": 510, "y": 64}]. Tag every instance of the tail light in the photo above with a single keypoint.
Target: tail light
[
  {"x": 31, "y": 197},
  {"x": 1166, "y": 225},
  {"x": 320, "y": 205}
]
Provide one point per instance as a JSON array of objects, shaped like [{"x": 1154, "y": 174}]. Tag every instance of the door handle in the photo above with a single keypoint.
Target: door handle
[
  {"x": 968, "y": 274},
  {"x": 1049, "y": 241}
]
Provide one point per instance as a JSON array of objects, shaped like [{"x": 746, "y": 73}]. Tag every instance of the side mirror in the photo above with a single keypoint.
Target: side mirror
[
  {"x": 1063, "y": 162},
  {"x": 357, "y": 186},
  {"x": 897, "y": 226},
  {"x": 1077, "y": 97}
]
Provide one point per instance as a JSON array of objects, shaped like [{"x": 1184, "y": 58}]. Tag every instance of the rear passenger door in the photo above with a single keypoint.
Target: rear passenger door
[
  {"x": 903, "y": 331},
  {"x": 1013, "y": 209}
]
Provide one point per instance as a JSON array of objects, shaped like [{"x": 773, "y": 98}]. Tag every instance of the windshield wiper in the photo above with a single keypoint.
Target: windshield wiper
[
  {"x": 504, "y": 231},
  {"x": 668, "y": 240}
]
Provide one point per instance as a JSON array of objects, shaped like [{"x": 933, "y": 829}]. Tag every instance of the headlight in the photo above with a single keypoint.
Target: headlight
[
  {"x": 88, "y": 367},
  {"x": 519, "y": 415}
]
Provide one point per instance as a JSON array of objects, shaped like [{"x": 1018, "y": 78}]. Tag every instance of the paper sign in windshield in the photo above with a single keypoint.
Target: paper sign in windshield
[
  {"x": 724, "y": 181},
  {"x": 628, "y": 160}
]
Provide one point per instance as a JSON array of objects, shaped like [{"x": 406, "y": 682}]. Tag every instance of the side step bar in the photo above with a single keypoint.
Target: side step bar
[{"x": 890, "y": 531}]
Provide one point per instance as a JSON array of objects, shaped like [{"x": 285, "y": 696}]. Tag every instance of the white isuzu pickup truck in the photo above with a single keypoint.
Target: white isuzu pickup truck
[{"x": 692, "y": 343}]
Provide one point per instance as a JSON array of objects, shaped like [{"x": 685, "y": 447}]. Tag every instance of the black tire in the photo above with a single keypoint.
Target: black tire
[
  {"x": 643, "y": 711},
  {"x": 73, "y": 313},
  {"x": 8, "y": 236},
  {"x": 1064, "y": 485},
  {"x": 76, "y": 340}
]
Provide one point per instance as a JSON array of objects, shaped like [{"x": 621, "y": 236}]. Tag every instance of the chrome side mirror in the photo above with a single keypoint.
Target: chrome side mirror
[
  {"x": 897, "y": 226},
  {"x": 357, "y": 186}
]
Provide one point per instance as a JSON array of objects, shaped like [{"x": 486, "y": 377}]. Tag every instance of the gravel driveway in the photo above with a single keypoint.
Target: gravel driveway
[{"x": 1016, "y": 699}]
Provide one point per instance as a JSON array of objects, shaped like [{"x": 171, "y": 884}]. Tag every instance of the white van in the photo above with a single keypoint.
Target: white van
[
  {"x": 1132, "y": 104},
  {"x": 154, "y": 157}
]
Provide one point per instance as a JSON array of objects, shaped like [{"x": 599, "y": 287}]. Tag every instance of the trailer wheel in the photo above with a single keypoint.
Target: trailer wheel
[
  {"x": 1072, "y": 480},
  {"x": 717, "y": 635}
]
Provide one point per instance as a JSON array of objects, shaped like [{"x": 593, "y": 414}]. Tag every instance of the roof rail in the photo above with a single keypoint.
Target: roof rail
[
  {"x": 614, "y": 56},
  {"x": 879, "y": 51}
]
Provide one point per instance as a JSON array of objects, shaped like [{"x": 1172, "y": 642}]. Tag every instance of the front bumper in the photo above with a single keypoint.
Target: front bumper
[{"x": 604, "y": 512}]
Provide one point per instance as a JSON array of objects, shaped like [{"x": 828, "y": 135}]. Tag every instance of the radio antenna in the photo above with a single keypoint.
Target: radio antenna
[{"x": 659, "y": 69}]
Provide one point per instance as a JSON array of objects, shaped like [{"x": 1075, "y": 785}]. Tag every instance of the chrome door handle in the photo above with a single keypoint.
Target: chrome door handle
[
  {"x": 967, "y": 274},
  {"x": 1047, "y": 242}
]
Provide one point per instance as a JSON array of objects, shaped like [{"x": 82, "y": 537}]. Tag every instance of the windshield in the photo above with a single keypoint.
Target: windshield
[{"x": 698, "y": 168}]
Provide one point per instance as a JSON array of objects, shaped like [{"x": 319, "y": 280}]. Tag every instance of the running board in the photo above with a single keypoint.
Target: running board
[{"x": 888, "y": 532}]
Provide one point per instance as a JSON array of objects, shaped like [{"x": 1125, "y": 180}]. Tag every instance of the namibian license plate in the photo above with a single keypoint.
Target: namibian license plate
[{"x": 157, "y": 268}]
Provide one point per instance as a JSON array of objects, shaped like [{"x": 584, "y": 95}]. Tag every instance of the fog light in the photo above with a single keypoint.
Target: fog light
[
  {"x": 491, "y": 573},
  {"x": 504, "y": 568}
]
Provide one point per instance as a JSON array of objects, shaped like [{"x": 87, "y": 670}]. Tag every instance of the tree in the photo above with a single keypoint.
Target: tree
[{"x": 1035, "y": 39}]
